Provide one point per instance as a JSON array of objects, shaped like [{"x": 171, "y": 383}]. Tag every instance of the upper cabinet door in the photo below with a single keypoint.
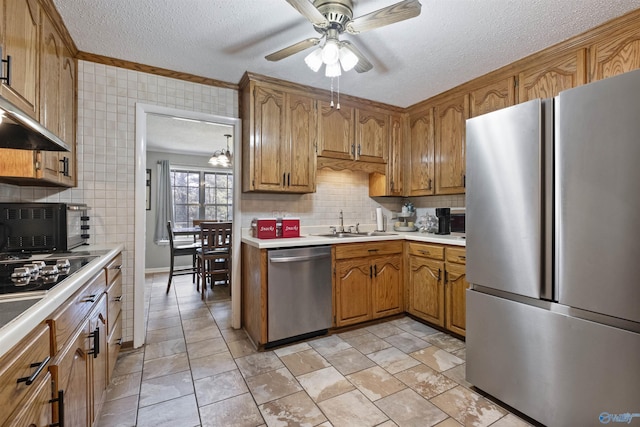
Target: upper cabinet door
[
  {"x": 615, "y": 55},
  {"x": 450, "y": 122},
  {"x": 335, "y": 131},
  {"x": 20, "y": 32},
  {"x": 270, "y": 140},
  {"x": 493, "y": 97},
  {"x": 372, "y": 135},
  {"x": 301, "y": 123},
  {"x": 421, "y": 154},
  {"x": 549, "y": 79}
]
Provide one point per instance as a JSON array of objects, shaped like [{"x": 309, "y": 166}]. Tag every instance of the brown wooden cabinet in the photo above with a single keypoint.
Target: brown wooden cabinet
[
  {"x": 492, "y": 97},
  {"x": 548, "y": 79},
  {"x": 372, "y": 135},
  {"x": 450, "y": 123},
  {"x": 616, "y": 54},
  {"x": 421, "y": 153},
  {"x": 20, "y": 31},
  {"x": 391, "y": 183},
  {"x": 98, "y": 362},
  {"x": 336, "y": 131},
  {"x": 114, "y": 310},
  {"x": 437, "y": 285},
  {"x": 35, "y": 411},
  {"x": 368, "y": 281},
  {"x": 279, "y": 149}
]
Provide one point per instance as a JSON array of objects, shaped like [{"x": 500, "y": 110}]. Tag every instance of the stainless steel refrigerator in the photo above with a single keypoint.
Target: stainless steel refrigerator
[{"x": 553, "y": 254}]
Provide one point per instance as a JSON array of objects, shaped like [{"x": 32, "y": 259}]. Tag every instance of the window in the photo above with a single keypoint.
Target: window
[{"x": 201, "y": 195}]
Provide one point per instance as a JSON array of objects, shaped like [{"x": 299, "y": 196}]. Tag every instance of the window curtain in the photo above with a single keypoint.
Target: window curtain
[{"x": 164, "y": 202}]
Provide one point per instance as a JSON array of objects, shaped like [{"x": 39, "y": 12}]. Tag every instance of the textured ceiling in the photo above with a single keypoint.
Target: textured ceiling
[{"x": 451, "y": 42}]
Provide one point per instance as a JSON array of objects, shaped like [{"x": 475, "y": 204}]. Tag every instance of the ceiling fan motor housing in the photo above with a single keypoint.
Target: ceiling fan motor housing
[{"x": 337, "y": 12}]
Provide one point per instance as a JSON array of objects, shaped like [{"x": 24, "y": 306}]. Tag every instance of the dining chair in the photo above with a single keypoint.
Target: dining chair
[
  {"x": 181, "y": 250},
  {"x": 214, "y": 257}
]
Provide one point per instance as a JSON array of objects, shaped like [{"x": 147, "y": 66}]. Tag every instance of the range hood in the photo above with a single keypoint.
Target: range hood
[{"x": 19, "y": 130}]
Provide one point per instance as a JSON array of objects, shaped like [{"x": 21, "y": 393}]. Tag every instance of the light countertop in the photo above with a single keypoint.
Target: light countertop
[{"x": 30, "y": 312}]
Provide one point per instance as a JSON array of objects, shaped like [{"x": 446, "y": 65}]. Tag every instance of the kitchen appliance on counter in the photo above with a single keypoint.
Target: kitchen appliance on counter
[
  {"x": 444, "y": 220},
  {"x": 553, "y": 321},
  {"x": 457, "y": 222},
  {"x": 299, "y": 293},
  {"x": 43, "y": 227}
]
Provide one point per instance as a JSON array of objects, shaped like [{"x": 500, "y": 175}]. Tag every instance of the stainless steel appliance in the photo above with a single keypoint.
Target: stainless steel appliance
[
  {"x": 43, "y": 227},
  {"x": 444, "y": 220},
  {"x": 553, "y": 317},
  {"x": 458, "y": 222},
  {"x": 299, "y": 293}
]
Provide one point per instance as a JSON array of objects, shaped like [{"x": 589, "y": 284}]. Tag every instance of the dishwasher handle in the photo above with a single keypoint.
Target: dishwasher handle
[{"x": 298, "y": 258}]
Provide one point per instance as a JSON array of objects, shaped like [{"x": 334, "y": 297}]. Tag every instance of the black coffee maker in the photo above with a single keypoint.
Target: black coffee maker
[{"x": 444, "y": 220}]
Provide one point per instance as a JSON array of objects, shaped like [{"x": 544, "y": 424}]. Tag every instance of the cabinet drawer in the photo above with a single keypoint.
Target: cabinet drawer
[
  {"x": 457, "y": 255},
  {"x": 427, "y": 251},
  {"x": 114, "y": 294},
  {"x": 36, "y": 409},
  {"x": 114, "y": 344},
  {"x": 70, "y": 315},
  {"x": 358, "y": 250},
  {"x": 20, "y": 364},
  {"x": 113, "y": 268}
]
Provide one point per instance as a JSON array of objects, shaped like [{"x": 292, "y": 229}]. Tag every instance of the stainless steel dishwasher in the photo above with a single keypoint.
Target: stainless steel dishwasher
[{"x": 299, "y": 293}]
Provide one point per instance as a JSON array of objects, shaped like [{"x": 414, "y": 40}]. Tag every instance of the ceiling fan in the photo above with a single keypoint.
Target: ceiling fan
[{"x": 331, "y": 18}]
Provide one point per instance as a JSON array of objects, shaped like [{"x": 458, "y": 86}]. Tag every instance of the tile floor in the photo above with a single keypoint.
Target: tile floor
[{"x": 196, "y": 371}]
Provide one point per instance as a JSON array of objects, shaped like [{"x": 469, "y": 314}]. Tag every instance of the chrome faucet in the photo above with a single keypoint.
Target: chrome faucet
[{"x": 341, "y": 230}]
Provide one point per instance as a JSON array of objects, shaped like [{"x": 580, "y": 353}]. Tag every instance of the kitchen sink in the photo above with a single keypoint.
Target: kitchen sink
[{"x": 360, "y": 234}]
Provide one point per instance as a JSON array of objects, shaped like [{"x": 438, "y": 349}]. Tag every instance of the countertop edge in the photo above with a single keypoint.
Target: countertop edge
[
  {"x": 18, "y": 328},
  {"x": 311, "y": 240}
]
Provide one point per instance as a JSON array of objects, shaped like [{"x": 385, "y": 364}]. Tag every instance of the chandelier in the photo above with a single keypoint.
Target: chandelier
[{"x": 222, "y": 158}]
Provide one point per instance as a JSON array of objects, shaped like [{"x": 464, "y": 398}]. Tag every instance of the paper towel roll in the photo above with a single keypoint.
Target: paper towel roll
[{"x": 379, "y": 219}]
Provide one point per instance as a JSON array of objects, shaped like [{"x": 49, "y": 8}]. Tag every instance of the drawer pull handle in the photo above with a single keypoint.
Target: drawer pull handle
[
  {"x": 118, "y": 267},
  {"x": 91, "y": 298},
  {"x": 423, "y": 252},
  {"x": 60, "y": 400},
  {"x": 119, "y": 342},
  {"x": 32, "y": 378},
  {"x": 372, "y": 250},
  {"x": 96, "y": 342},
  {"x": 463, "y": 258},
  {"x": 118, "y": 298}
]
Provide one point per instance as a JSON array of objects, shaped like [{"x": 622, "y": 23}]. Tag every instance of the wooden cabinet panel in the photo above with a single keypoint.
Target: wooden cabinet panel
[
  {"x": 426, "y": 250},
  {"x": 615, "y": 55},
  {"x": 456, "y": 286},
  {"x": 493, "y": 97},
  {"x": 114, "y": 343},
  {"x": 372, "y": 135},
  {"x": 301, "y": 138},
  {"x": 20, "y": 31},
  {"x": 359, "y": 250},
  {"x": 426, "y": 293},
  {"x": 353, "y": 291},
  {"x": 450, "y": 123},
  {"x": 97, "y": 332},
  {"x": 114, "y": 296},
  {"x": 391, "y": 183},
  {"x": 269, "y": 134},
  {"x": 35, "y": 411},
  {"x": 421, "y": 154},
  {"x": 457, "y": 255},
  {"x": 336, "y": 131},
  {"x": 386, "y": 297},
  {"x": 549, "y": 79}
]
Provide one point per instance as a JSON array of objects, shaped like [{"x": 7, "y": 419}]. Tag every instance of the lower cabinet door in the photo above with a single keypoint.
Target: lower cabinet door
[
  {"x": 353, "y": 291},
  {"x": 456, "y": 288},
  {"x": 36, "y": 410},
  {"x": 115, "y": 341},
  {"x": 387, "y": 286},
  {"x": 98, "y": 355},
  {"x": 426, "y": 293}
]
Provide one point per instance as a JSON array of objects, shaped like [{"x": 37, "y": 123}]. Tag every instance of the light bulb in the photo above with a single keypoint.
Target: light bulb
[
  {"x": 348, "y": 59},
  {"x": 333, "y": 70},
  {"x": 330, "y": 52},
  {"x": 314, "y": 60}
]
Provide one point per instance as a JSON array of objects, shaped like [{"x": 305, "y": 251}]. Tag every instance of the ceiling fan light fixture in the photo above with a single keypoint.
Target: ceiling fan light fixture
[
  {"x": 314, "y": 60},
  {"x": 333, "y": 70},
  {"x": 331, "y": 52},
  {"x": 348, "y": 59}
]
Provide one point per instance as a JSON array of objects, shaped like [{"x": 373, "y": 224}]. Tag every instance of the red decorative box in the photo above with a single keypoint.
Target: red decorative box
[
  {"x": 290, "y": 227},
  {"x": 266, "y": 228}
]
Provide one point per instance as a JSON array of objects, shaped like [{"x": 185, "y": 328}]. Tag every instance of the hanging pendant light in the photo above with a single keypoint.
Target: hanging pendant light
[{"x": 222, "y": 158}]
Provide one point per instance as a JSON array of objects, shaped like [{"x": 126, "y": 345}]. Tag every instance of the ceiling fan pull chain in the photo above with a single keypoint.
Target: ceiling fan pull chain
[
  {"x": 338, "y": 106},
  {"x": 331, "y": 104}
]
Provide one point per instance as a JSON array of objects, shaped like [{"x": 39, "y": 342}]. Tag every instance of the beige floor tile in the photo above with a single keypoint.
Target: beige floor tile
[
  {"x": 367, "y": 343},
  {"x": 120, "y": 412},
  {"x": 165, "y": 366},
  {"x": 437, "y": 358},
  {"x": 198, "y": 323},
  {"x": 384, "y": 330},
  {"x": 510, "y": 420},
  {"x": 458, "y": 374},
  {"x": 292, "y": 348},
  {"x": 156, "y": 390},
  {"x": 393, "y": 360},
  {"x": 449, "y": 422},
  {"x": 219, "y": 387},
  {"x": 206, "y": 348},
  {"x": 124, "y": 386},
  {"x": 239, "y": 411},
  {"x": 353, "y": 333},
  {"x": 352, "y": 409},
  {"x": 195, "y": 313},
  {"x": 388, "y": 423},
  {"x": 293, "y": 410},
  {"x": 202, "y": 334},
  {"x": 375, "y": 383},
  {"x": 468, "y": 408},
  {"x": 414, "y": 327},
  {"x": 241, "y": 348},
  {"x": 211, "y": 365},
  {"x": 349, "y": 361},
  {"x": 425, "y": 381},
  {"x": 462, "y": 353},
  {"x": 324, "y": 384},
  {"x": 182, "y": 412},
  {"x": 258, "y": 363},
  {"x": 329, "y": 345},
  {"x": 164, "y": 348},
  {"x": 164, "y": 334},
  {"x": 408, "y": 408},
  {"x": 157, "y": 314},
  {"x": 231, "y": 335},
  {"x": 304, "y": 362},
  {"x": 445, "y": 342},
  {"x": 163, "y": 322},
  {"x": 272, "y": 385},
  {"x": 129, "y": 362},
  {"x": 407, "y": 342}
]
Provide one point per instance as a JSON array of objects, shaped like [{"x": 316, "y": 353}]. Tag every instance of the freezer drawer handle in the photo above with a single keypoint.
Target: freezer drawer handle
[{"x": 298, "y": 258}]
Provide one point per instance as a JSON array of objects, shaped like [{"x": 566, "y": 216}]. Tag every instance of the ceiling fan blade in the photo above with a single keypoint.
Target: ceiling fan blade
[
  {"x": 294, "y": 48},
  {"x": 363, "y": 64},
  {"x": 309, "y": 11},
  {"x": 389, "y": 15}
]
